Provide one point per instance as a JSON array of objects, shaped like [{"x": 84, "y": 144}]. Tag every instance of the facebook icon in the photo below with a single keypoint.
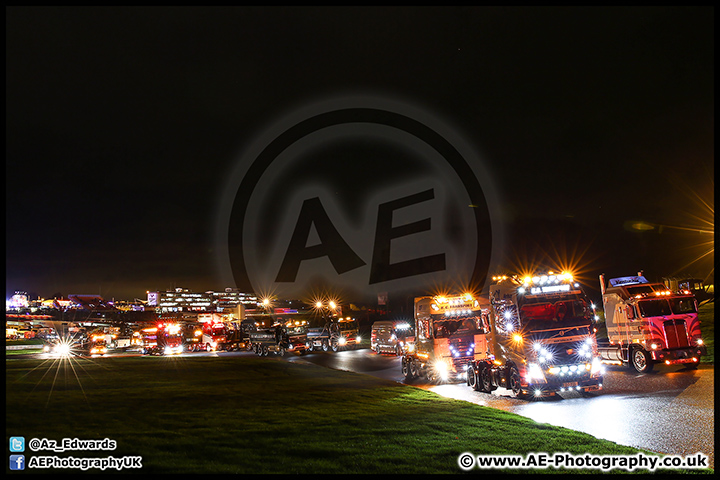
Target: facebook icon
[{"x": 17, "y": 462}]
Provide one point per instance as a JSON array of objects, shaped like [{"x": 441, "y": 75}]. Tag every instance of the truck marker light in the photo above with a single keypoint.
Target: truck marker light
[
  {"x": 699, "y": 341},
  {"x": 517, "y": 338}
]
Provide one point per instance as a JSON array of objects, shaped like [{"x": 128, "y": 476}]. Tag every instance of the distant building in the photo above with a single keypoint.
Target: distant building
[{"x": 185, "y": 300}]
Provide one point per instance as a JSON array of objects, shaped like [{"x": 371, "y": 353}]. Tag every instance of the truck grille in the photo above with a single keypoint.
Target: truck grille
[
  {"x": 675, "y": 333},
  {"x": 462, "y": 351}
]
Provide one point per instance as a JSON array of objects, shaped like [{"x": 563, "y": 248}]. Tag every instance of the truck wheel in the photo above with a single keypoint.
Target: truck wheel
[
  {"x": 515, "y": 385},
  {"x": 486, "y": 380},
  {"x": 281, "y": 352},
  {"x": 414, "y": 370},
  {"x": 472, "y": 378},
  {"x": 334, "y": 347},
  {"x": 641, "y": 361},
  {"x": 325, "y": 346},
  {"x": 406, "y": 370},
  {"x": 398, "y": 350}
]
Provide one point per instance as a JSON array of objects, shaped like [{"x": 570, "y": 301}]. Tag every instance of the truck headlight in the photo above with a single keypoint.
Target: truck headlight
[
  {"x": 358, "y": 339},
  {"x": 535, "y": 372},
  {"x": 342, "y": 341},
  {"x": 442, "y": 369},
  {"x": 596, "y": 367}
]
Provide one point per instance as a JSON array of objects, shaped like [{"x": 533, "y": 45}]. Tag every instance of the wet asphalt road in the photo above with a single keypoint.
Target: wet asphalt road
[{"x": 670, "y": 410}]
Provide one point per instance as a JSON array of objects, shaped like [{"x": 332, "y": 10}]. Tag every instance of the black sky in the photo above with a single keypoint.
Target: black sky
[{"x": 123, "y": 124}]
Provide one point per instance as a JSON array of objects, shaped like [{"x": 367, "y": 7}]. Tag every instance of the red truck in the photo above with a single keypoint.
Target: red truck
[{"x": 163, "y": 339}]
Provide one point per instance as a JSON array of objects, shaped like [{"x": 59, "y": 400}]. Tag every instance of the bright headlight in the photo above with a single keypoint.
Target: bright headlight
[
  {"x": 358, "y": 339},
  {"x": 534, "y": 372},
  {"x": 442, "y": 369},
  {"x": 596, "y": 366},
  {"x": 342, "y": 341}
]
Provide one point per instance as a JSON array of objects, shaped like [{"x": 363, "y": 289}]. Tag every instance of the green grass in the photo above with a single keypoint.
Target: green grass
[
  {"x": 706, "y": 314},
  {"x": 262, "y": 415}
]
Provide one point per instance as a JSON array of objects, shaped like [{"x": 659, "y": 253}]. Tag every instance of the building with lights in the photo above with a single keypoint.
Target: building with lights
[{"x": 185, "y": 300}]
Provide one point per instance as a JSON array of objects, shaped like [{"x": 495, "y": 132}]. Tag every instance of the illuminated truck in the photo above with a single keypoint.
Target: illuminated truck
[
  {"x": 647, "y": 323},
  {"x": 162, "y": 339},
  {"x": 225, "y": 335},
  {"x": 450, "y": 333},
  {"x": 349, "y": 337},
  {"x": 541, "y": 338},
  {"x": 391, "y": 336}
]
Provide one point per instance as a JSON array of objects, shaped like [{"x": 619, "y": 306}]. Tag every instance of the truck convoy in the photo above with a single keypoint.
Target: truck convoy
[
  {"x": 541, "y": 338},
  {"x": 648, "y": 323},
  {"x": 533, "y": 336}
]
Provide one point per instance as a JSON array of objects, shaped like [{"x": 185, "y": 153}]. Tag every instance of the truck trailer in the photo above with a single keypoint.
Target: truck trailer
[
  {"x": 280, "y": 339},
  {"x": 541, "y": 339},
  {"x": 647, "y": 323}
]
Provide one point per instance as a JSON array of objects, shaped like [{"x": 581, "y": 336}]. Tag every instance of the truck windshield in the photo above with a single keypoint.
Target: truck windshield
[
  {"x": 683, "y": 305},
  {"x": 445, "y": 328},
  {"x": 564, "y": 312},
  {"x": 654, "y": 308},
  {"x": 661, "y": 306}
]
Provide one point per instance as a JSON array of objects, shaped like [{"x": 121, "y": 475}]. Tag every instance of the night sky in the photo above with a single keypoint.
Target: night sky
[{"x": 124, "y": 123}]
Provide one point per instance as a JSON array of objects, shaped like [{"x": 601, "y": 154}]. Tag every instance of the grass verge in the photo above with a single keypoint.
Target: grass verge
[{"x": 247, "y": 415}]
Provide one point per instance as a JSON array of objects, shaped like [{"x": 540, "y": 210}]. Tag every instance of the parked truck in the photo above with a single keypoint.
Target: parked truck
[
  {"x": 647, "y": 323},
  {"x": 541, "y": 338},
  {"x": 450, "y": 332}
]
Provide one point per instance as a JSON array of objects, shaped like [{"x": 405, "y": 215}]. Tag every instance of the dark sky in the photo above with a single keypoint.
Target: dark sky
[{"x": 123, "y": 125}]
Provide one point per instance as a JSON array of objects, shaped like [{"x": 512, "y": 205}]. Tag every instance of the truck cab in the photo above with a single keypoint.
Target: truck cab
[
  {"x": 391, "y": 336},
  {"x": 542, "y": 339},
  {"x": 349, "y": 333},
  {"x": 647, "y": 323},
  {"x": 450, "y": 332}
]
